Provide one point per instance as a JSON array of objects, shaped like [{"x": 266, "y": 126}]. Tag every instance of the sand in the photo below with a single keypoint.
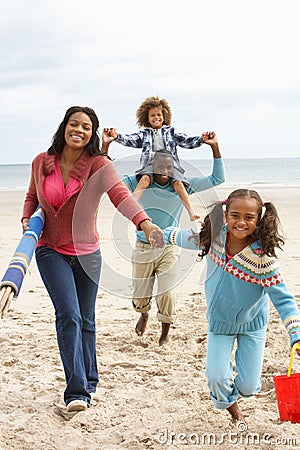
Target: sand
[{"x": 148, "y": 397}]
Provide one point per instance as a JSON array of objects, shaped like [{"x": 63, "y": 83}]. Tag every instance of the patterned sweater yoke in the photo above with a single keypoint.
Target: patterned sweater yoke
[
  {"x": 249, "y": 265},
  {"x": 238, "y": 291}
]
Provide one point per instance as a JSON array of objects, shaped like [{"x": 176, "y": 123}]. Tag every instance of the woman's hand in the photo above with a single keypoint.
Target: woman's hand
[{"x": 25, "y": 222}]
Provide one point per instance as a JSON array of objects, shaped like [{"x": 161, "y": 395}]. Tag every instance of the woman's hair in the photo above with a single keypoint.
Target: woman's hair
[
  {"x": 58, "y": 140},
  {"x": 268, "y": 223},
  {"x": 149, "y": 103}
]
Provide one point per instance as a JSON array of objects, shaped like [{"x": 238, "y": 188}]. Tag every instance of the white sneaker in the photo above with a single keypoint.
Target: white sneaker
[{"x": 77, "y": 405}]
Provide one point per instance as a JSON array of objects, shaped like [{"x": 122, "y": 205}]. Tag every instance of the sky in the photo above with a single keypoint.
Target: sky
[{"x": 229, "y": 66}]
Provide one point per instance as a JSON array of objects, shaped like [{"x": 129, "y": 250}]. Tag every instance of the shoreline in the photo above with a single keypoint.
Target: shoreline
[{"x": 226, "y": 184}]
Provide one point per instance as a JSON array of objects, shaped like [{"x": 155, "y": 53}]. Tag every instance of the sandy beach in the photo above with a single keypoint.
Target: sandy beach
[{"x": 148, "y": 397}]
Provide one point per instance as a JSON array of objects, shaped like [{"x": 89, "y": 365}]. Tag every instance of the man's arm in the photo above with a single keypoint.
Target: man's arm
[
  {"x": 130, "y": 181},
  {"x": 217, "y": 176}
]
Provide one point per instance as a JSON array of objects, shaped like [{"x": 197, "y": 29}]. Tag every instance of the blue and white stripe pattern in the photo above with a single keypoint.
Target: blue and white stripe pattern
[{"x": 21, "y": 259}]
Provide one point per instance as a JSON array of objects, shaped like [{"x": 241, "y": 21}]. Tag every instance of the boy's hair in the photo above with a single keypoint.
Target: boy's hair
[
  {"x": 268, "y": 223},
  {"x": 58, "y": 140},
  {"x": 149, "y": 103}
]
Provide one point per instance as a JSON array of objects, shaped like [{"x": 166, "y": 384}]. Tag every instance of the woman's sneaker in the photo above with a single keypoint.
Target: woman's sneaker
[{"x": 77, "y": 405}]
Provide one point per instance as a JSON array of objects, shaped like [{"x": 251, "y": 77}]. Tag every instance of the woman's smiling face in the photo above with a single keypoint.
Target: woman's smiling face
[{"x": 78, "y": 130}]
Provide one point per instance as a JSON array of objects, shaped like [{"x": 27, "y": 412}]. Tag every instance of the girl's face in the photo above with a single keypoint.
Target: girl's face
[
  {"x": 242, "y": 217},
  {"x": 78, "y": 130},
  {"x": 156, "y": 117}
]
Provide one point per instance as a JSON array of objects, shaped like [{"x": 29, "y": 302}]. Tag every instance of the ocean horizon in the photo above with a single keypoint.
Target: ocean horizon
[{"x": 239, "y": 172}]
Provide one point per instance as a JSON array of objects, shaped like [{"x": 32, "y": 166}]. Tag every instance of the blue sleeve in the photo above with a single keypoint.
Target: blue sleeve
[
  {"x": 182, "y": 238},
  {"x": 130, "y": 182},
  {"x": 134, "y": 140},
  {"x": 185, "y": 141},
  {"x": 217, "y": 177},
  {"x": 286, "y": 306}
]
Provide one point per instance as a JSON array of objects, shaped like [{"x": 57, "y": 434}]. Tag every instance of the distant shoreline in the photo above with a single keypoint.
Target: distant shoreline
[
  {"x": 225, "y": 185},
  {"x": 252, "y": 172},
  {"x": 204, "y": 158}
]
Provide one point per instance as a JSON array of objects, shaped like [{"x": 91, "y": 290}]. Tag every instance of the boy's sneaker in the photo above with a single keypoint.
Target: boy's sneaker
[{"x": 77, "y": 405}]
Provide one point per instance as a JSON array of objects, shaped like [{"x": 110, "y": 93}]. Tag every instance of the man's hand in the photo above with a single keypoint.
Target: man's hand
[
  {"x": 147, "y": 227},
  {"x": 109, "y": 135},
  {"x": 209, "y": 137}
]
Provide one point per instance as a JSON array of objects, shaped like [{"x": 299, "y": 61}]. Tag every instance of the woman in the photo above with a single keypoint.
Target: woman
[{"x": 72, "y": 173}]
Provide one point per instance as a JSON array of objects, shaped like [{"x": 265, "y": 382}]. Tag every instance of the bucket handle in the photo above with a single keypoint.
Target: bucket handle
[{"x": 294, "y": 348}]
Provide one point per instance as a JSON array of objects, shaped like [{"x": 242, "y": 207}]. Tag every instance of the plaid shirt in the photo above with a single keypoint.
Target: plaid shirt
[{"x": 144, "y": 139}]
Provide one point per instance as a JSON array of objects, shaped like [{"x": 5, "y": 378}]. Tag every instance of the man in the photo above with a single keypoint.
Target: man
[{"x": 163, "y": 205}]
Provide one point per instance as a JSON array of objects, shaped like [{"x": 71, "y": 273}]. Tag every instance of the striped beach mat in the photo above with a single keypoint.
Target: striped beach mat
[{"x": 21, "y": 259}]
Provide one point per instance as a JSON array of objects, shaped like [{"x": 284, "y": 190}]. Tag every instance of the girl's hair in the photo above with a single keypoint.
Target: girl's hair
[
  {"x": 58, "y": 140},
  {"x": 149, "y": 103},
  {"x": 268, "y": 223}
]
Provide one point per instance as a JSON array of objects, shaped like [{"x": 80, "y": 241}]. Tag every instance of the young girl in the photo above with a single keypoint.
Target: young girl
[
  {"x": 155, "y": 116},
  {"x": 242, "y": 273}
]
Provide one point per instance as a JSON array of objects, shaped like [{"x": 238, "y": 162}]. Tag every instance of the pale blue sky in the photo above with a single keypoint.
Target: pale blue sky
[{"x": 229, "y": 66}]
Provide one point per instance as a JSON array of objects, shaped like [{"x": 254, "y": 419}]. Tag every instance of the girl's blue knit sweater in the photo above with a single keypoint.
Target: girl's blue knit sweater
[{"x": 238, "y": 291}]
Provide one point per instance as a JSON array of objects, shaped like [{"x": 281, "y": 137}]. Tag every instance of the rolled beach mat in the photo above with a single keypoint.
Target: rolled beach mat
[{"x": 20, "y": 261}]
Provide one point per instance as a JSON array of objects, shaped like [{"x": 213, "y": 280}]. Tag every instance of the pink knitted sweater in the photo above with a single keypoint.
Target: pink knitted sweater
[{"x": 75, "y": 220}]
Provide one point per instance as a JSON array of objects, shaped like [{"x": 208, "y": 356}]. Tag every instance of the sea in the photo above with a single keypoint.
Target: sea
[{"x": 243, "y": 172}]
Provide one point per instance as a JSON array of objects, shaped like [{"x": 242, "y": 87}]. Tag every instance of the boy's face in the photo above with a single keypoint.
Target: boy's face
[
  {"x": 156, "y": 117},
  {"x": 162, "y": 169}
]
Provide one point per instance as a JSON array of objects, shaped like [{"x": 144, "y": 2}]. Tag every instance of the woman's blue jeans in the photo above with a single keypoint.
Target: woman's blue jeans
[{"x": 72, "y": 283}]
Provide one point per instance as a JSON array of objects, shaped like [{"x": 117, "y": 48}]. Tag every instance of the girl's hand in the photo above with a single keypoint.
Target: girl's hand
[
  {"x": 156, "y": 238},
  {"x": 148, "y": 227},
  {"x": 296, "y": 347}
]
